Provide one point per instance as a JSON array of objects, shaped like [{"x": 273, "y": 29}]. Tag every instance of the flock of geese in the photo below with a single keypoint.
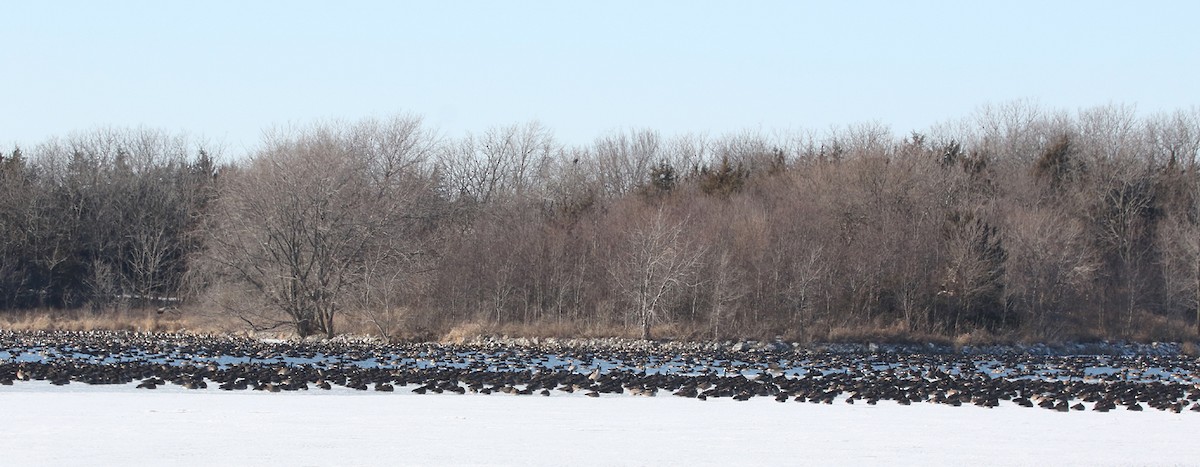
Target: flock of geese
[{"x": 150, "y": 361}]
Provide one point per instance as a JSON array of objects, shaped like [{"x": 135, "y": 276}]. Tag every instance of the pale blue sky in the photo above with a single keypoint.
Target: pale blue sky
[{"x": 226, "y": 70}]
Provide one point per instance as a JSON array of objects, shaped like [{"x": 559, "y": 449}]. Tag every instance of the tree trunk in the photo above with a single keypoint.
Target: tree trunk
[{"x": 304, "y": 328}]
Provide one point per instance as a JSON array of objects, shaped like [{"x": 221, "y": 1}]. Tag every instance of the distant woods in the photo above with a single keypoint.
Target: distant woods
[{"x": 1015, "y": 222}]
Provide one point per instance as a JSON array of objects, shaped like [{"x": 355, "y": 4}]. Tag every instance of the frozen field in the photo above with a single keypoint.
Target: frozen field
[{"x": 117, "y": 425}]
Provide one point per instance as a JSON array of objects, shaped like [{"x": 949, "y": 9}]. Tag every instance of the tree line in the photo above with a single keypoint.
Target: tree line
[{"x": 1015, "y": 221}]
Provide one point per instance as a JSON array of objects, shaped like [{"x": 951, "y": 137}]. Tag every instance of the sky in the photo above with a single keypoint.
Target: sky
[{"x": 225, "y": 71}]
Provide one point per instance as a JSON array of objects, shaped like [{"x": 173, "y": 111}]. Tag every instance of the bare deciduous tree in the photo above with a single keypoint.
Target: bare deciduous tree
[
  {"x": 502, "y": 163},
  {"x": 314, "y": 205},
  {"x": 1049, "y": 266},
  {"x": 623, "y": 160},
  {"x": 655, "y": 260},
  {"x": 727, "y": 286}
]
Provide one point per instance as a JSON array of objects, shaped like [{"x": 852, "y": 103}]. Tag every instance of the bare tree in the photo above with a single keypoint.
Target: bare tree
[
  {"x": 727, "y": 287},
  {"x": 656, "y": 260},
  {"x": 156, "y": 212},
  {"x": 312, "y": 206},
  {"x": 1049, "y": 266},
  {"x": 623, "y": 160},
  {"x": 1176, "y": 139},
  {"x": 16, "y": 198},
  {"x": 1121, "y": 215},
  {"x": 973, "y": 283},
  {"x": 388, "y": 281},
  {"x": 502, "y": 163}
]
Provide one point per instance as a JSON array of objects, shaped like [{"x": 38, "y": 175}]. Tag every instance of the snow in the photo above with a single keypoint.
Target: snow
[{"x": 77, "y": 424}]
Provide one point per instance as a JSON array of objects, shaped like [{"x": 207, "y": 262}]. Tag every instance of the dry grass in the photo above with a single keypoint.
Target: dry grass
[
  {"x": 188, "y": 319},
  {"x": 975, "y": 338},
  {"x": 1150, "y": 327},
  {"x": 1190, "y": 349},
  {"x": 462, "y": 333},
  {"x": 557, "y": 329},
  {"x": 147, "y": 320},
  {"x": 894, "y": 334},
  {"x": 1147, "y": 328},
  {"x": 468, "y": 330}
]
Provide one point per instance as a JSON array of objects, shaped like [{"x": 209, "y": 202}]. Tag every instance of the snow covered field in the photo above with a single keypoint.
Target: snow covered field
[{"x": 77, "y": 424}]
